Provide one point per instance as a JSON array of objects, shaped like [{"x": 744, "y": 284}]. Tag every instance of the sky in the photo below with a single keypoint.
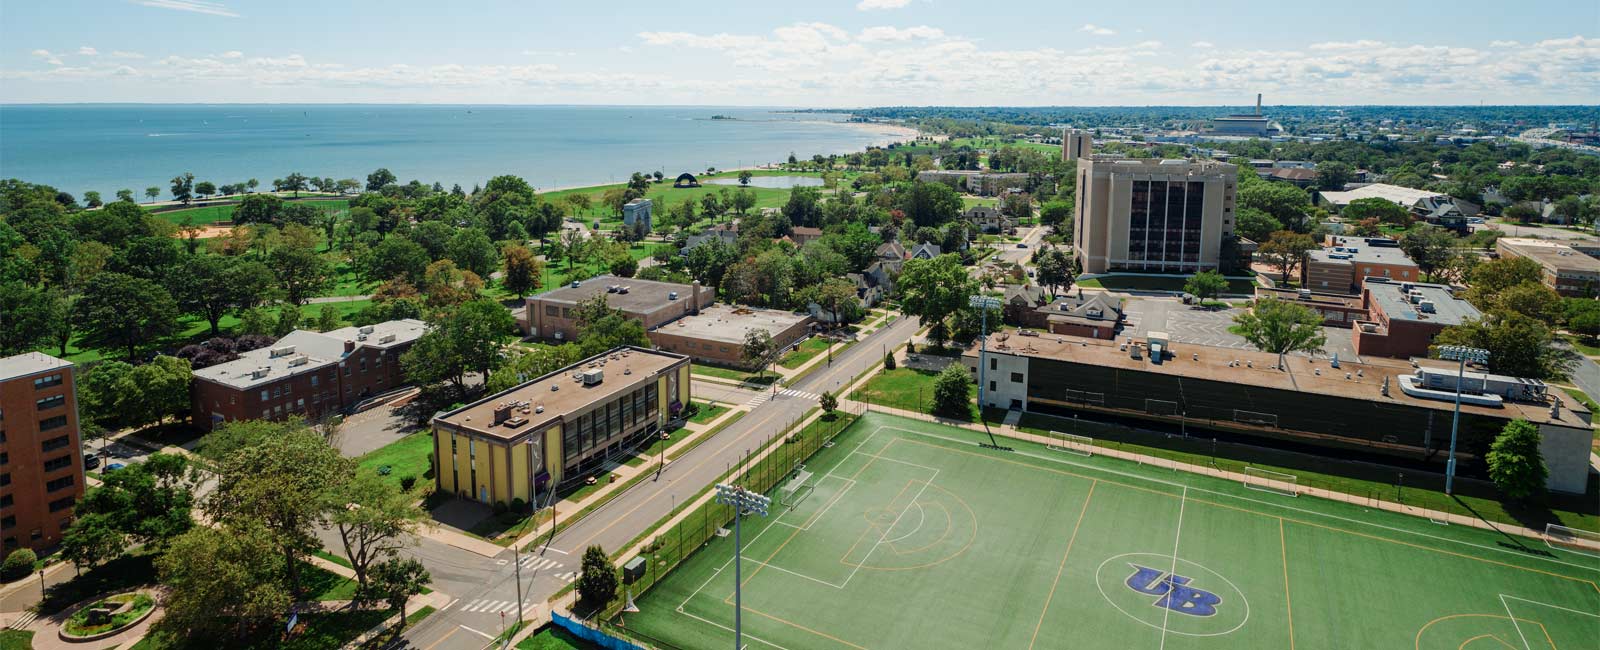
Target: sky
[{"x": 815, "y": 53}]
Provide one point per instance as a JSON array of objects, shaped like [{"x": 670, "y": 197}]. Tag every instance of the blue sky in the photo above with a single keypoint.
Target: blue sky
[{"x": 818, "y": 53}]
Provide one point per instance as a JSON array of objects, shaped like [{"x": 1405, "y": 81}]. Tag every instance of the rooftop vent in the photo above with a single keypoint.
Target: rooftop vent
[
  {"x": 593, "y": 377},
  {"x": 299, "y": 361},
  {"x": 538, "y": 409},
  {"x": 283, "y": 351},
  {"x": 672, "y": 295},
  {"x": 366, "y": 330},
  {"x": 386, "y": 338},
  {"x": 1426, "y": 306},
  {"x": 611, "y": 288},
  {"x": 502, "y": 412},
  {"x": 260, "y": 372},
  {"x": 512, "y": 423}
]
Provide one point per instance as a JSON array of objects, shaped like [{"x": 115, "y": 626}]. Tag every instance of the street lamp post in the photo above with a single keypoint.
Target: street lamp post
[
  {"x": 744, "y": 502},
  {"x": 983, "y": 304},
  {"x": 1461, "y": 355}
]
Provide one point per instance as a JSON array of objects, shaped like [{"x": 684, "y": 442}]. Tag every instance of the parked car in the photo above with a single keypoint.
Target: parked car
[
  {"x": 91, "y": 460},
  {"x": 114, "y": 467},
  {"x": 1021, "y": 245}
]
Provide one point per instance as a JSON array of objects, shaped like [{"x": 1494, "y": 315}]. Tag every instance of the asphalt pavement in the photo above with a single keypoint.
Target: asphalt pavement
[{"x": 485, "y": 589}]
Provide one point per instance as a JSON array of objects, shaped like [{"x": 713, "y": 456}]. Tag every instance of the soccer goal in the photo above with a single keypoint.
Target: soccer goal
[
  {"x": 1572, "y": 539},
  {"x": 1072, "y": 443},
  {"x": 1255, "y": 417},
  {"x": 1267, "y": 480},
  {"x": 796, "y": 490}
]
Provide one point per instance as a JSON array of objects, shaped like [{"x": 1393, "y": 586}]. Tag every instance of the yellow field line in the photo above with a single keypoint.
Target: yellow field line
[
  {"x": 1063, "y": 565},
  {"x": 1283, "y": 547},
  {"x": 802, "y": 627}
]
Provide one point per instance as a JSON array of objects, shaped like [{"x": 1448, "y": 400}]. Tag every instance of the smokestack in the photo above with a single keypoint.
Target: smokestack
[{"x": 1258, "y": 104}]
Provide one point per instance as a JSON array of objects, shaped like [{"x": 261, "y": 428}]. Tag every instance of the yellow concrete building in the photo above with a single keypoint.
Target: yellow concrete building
[{"x": 560, "y": 427}]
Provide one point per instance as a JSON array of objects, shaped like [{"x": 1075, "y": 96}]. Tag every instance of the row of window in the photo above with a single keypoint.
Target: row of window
[
  {"x": 56, "y": 485},
  {"x": 55, "y": 443},
  {"x": 48, "y": 381},
  {"x": 592, "y": 429}
]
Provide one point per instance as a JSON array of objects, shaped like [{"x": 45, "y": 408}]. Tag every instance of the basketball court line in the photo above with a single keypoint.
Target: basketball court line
[
  {"x": 1177, "y": 537},
  {"x": 1135, "y": 477}
]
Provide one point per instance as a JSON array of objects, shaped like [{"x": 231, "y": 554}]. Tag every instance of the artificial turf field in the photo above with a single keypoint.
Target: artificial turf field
[{"x": 915, "y": 537}]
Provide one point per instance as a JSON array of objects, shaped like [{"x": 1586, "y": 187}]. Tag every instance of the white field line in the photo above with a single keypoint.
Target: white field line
[
  {"x": 1176, "y": 538},
  {"x": 896, "y": 522}
]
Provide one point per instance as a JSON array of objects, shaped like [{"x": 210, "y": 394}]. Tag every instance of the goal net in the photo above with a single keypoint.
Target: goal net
[
  {"x": 1254, "y": 417},
  {"x": 1572, "y": 539},
  {"x": 1072, "y": 443},
  {"x": 1266, "y": 480},
  {"x": 1160, "y": 407},
  {"x": 796, "y": 490}
]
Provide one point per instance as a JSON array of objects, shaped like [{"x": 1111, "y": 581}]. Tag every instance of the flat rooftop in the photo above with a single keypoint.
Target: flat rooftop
[
  {"x": 1554, "y": 254},
  {"x": 561, "y": 393},
  {"x": 1405, "y": 196},
  {"x": 1447, "y": 309},
  {"x": 727, "y": 324},
  {"x": 1356, "y": 251},
  {"x": 385, "y": 335},
  {"x": 1255, "y": 368},
  {"x": 312, "y": 351},
  {"x": 29, "y": 363},
  {"x": 643, "y": 296},
  {"x": 1315, "y": 299}
]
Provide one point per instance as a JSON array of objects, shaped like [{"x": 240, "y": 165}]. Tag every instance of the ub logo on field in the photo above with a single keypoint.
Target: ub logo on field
[{"x": 1174, "y": 591}]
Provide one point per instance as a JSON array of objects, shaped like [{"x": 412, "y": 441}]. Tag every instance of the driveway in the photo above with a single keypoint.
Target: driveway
[{"x": 370, "y": 430}]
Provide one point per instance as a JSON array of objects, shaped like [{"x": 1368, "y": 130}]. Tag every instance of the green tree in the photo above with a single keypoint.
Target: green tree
[
  {"x": 523, "y": 272},
  {"x": 828, "y": 402},
  {"x": 533, "y": 363},
  {"x": 1384, "y": 210},
  {"x": 183, "y": 188},
  {"x": 205, "y": 188},
  {"x": 328, "y": 318},
  {"x": 395, "y": 581},
  {"x": 1431, "y": 247},
  {"x": 395, "y": 257},
  {"x": 1058, "y": 214},
  {"x": 280, "y": 485},
  {"x": 803, "y": 208},
  {"x": 1518, "y": 346},
  {"x": 1281, "y": 327},
  {"x": 221, "y": 581},
  {"x": 379, "y": 179},
  {"x": 1494, "y": 276},
  {"x": 301, "y": 273},
  {"x": 123, "y": 313},
  {"x": 1054, "y": 269},
  {"x": 597, "y": 583},
  {"x": 151, "y": 193},
  {"x": 934, "y": 289},
  {"x": 1522, "y": 212},
  {"x": 1515, "y": 463},
  {"x": 1287, "y": 250},
  {"x": 26, "y": 315},
  {"x": 601, "y": 328},
  {"x": 759, "y": 349},
  {"x": 466, "y": 338},
  {"x": 92, "y": 539},
  {"x": 257, "y": 321},
  {"x": 471, "y": 250},
  {"x": 374, "y": 519},
  {"x": 930, "y": 204},
  {"x": 1284, "y": 202},
  {"x": 18, "y": 563},
  {"x": 952, "y": 392},
  {"x": 1333, "y": 174},
  {"x": 213, "y": 286},
  {"x": 1206, "y": 285},
  {"x": 288, "y": 321},
  {"x": 91, "y": 199},
  {"x": 127, "y": 195},
  {"x": 744, "y": 177},
  {"x": 1533, "y": 300},
  {"x": 144, "y": 503},
  {"x": 1256, "y": 225}
]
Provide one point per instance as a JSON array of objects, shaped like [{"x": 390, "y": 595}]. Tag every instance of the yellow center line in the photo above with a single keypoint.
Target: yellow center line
[
  {"x": 1283, "y": 547},
  {"x": 1063, "y": 565}
]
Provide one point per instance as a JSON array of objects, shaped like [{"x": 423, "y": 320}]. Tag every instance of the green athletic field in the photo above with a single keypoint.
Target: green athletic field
[{"x": 913, "y": 536}]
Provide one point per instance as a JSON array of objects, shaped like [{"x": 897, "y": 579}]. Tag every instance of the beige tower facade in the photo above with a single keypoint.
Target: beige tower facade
[
  {"x": 1166, "y": 216},
  {"x": 1076, "y": 145}
]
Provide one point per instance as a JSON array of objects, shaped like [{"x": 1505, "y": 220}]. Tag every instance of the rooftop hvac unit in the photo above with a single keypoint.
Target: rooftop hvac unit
[
  {"x": 593, "y": 377},
  {"x": 282, "y": 351},
  {"x": 366, "y": 330},
  {"x": 672, "y": 295},
  {"x": 299, "y": 361},
  {"x": 260, "y": 372},
  {"x": 1425, "y": 306},
  {"x": 386, "y": 338}
]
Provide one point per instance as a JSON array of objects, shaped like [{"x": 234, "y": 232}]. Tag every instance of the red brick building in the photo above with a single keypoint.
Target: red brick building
[
  {"x": 41, "y": 453},
  {"x": 716, "y": 334},
  {"x": 1403, "y": 317},
  {"x": 309, "y": 374},
  {"x": 552, "y": 314}
]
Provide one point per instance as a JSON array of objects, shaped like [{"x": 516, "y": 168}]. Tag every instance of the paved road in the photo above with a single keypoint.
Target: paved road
[
  {"x": 1585, "y": 374},
  {"x": 485, "y": 587}
]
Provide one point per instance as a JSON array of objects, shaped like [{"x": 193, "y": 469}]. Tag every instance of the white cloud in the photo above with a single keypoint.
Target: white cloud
[
  {"x": 126, "y": 55},
  {"x": 1202, "y": 45},
  {"x": 872, "y": 34},
  {"x": 87, "y": 51},
  {"x": 195, "y": 6},
  {"x": 1346, "y": 45},
  {"x": 869, "y": 5},
  {"x": 548, "y": 53},
  {"x": 233, "y": 54},
  {"x": 1503, "y": 43},
  {"x": 1097, "y": 30},
  {"x": 47, "y": 57}
]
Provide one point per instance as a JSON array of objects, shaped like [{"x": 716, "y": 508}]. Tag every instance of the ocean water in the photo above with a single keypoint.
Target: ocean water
[{"x": 110, "y": 147}]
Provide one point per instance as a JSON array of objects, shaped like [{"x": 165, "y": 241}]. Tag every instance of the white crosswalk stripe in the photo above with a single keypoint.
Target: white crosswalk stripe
[
  {"x": 568, "y": 576},
  {"x": 763, "y": 396},
  {"x": 23, "y": 621},
  {"x": 536, "y": 563}
]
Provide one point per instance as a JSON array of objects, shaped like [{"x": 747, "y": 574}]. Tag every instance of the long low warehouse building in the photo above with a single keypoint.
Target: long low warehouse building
[{"x": 1383, "y": 406}]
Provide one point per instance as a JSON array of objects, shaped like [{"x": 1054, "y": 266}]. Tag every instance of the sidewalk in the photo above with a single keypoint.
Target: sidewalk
[{"x": 1435, "y": 515}]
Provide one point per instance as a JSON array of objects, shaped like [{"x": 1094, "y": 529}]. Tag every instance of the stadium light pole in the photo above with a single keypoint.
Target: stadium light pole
[
  {"x": 1461, "y": 355},
  {"x": 744, "y": 502},
  {"x": 984, "y": 304}
]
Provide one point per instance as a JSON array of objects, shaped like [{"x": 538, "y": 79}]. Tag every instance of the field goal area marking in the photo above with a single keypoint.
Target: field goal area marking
[
  {"x": 1145, "y": 479},
  {"x": 1505, "y": 601}
]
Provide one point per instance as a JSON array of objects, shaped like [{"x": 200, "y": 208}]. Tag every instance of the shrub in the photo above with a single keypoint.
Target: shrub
[
  {"x": 950, "y": 397},
  {"x": 518, "y": 505},
  {"x": 888, "y": 362},
  {"x": 408, "y": 482},
  {"x": 18, "y": 564},
  {"x": 499, "y": 507}
]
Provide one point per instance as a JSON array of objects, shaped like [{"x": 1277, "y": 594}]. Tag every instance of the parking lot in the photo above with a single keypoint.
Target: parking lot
[{"x": 1209, "y": 327}]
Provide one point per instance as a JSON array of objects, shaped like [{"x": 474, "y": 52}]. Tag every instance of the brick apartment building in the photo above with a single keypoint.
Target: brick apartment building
[
  {"x": 309, "y": 374},
  {"x": 1340, "y": 267},
  {"x": 41, "y": 454},
  {"x": 1403, "y": 317},
  {"x": 1565, "y": 268},
  {"x": 552, "y": 314},
  {"x": 716, "y": 334}
]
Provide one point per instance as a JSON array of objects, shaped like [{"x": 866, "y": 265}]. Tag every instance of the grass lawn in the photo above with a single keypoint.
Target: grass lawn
[
  {"x": 554, "y": 638},
  {"x": 730, "y": 373},
  {"x": 197, "y": 329},
  {"x": 329, "y": 556},
  {"x": 1582, "y": 398},
  {"x": 20, "y": 640},
  {"x": 663, "y": 195},
  {"x": 1584, "y": 346},
  {"x": 213, "y": 213},
  {"x": 806, "y": 351},
  {"x": 408, "y": 456},
  {"x": 1053, "y": 550},
  {"x": 1156, "y": 283},
  {"x": 321, "y": 584},
  {"x": 909, "y": 389},
  {"x": 969, "y": 202},
  {"x": 707, "y": 412}
]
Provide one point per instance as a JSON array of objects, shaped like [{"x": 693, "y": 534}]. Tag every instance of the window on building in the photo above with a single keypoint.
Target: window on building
[
  {"x": 57, "y": 463},
  {"x": 991, "y": 387},
  {"x": 315, "y": 381},
  {"x": 266, "y": 413},
  {"x": 1016, "y": 377},
  {"x": 265, "y": 395},
  {"x": 5, "y": 479},
  {"x": 6, "y": 500},
  {"x": 4, "y": 458},
  {"x": 994, "y": 364},
  {"x": 61, "y": 504},
  {"x": 363, "y": 365},
  {"x": 59, "y": 484},
  {"x": 50, "y": 402},
  {"x": 552, "y": 310},
  {"x": 300, "y": 403},
  {"x": 54, "y": 443},
  {"x": 47, "y": 382},
  {"x": 53, "y": 423}
]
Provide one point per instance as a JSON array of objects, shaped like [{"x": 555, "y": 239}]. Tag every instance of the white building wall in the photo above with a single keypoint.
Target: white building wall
[{"x": 1566, "y": 455}]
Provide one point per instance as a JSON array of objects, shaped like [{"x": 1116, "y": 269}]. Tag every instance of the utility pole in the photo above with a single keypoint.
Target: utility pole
[
  {"x": 744, "y": 502},
  {"x": 1461, "y": 355}
]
